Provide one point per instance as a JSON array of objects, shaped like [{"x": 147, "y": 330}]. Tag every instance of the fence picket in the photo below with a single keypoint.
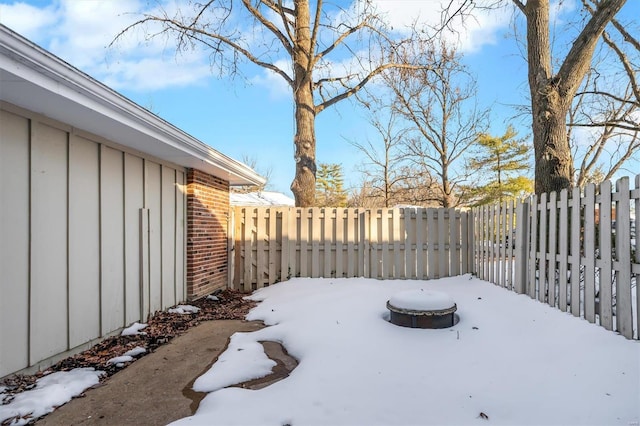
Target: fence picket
[
  {"x": 383, "y": 260},
  {"x": 304, "y": 241},
  {"x": 272, "y": 242},
  {"x": 398, "y": 265},
  {"x": 624, "y": 314},
  {"x": 533, "y": 250},
  {"x": 464, "y": 243},
  {"x": 442, "y": 243},
  {"x": 454, "y": 249},
  {"x": 431, "y": 239},
  {"x": 409, "y": 237},
  {"x": 542, "y": 276},
  {"x": 551, "y": 266},
  {"x": 352, "y": 227},
  {"x": 510, "y": 243},
  {"x": 563, "y": 250},
  {"x": 261, "y": 259},
  {"x": 589, "y": 252},
  {"x": 327, "y": 239},
  {"x": 576, "y": 226},
  {"x": 340, "y": 218},
  {"x": 248, "y": 249},
  {"x": 604, "y": 249},
  {"x": 637, "y": 251}
]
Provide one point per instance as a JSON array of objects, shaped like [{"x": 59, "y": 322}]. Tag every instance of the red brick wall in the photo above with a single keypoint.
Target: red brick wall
[{"x": 207, "y": 218}]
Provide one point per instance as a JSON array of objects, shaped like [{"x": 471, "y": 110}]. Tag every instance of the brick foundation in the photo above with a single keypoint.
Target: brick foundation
[{"x": 207, "y": 219}]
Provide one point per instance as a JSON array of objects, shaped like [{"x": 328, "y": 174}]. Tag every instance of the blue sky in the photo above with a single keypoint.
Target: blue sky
[{"x": 254, "y": 117}]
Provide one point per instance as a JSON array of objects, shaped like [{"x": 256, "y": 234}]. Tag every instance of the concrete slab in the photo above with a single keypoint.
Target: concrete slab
[{"x": 156, "y": 389}]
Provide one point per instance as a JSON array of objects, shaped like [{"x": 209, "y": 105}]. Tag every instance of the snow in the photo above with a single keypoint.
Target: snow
[
  {"x": 422, "y": 300},
  {"x": 134, "y": 329},
  {"x": 138, "y": 350},
  {"x": 128, "y": 356},
  {"x": 261, "y": 198},
  {"x": 212, "y": 297},
  {"x": 184, "y": 309},
  {"x": 230, "y": 368},
  {"x": 120, "y": 360},
  {"x": 509, "y": 358},
  {"x": 50, "y": 391}
]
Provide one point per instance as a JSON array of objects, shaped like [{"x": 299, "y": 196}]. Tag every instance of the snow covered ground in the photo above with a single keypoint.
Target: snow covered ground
[
  {"x": 509, "y": 360},
  {"x": 51, "y": 391}
]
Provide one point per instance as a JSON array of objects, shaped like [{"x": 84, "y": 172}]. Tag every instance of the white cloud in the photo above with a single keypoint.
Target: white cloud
[
  {"x": 28, "y": 20},
  {"x": 274, "y": 83},
  {"x": 469, "y": 34},
  {"x": 80, "y": 32}
]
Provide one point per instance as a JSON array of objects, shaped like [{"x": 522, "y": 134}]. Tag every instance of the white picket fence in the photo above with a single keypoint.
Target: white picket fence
[
  {"x": 577, "y": 251},
  {"x": 274, "y": 244}
]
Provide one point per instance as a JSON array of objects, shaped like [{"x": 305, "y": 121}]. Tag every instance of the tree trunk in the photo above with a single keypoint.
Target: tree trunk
[
  {"x": 551, "y": 145},
  {"x": 552, "y": 151},
  {"x": 551, "y": 96},
  {"x": 304, "y": 183}
]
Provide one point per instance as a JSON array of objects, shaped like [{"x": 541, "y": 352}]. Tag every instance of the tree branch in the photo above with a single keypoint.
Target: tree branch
[
  {"x": 270, "y": 26},
  {"x": 579, "y": 57},
  {"x": 199, "y": 35},
  {"x": 520, "y": 5},
  {"x": 319, "y": 108}
]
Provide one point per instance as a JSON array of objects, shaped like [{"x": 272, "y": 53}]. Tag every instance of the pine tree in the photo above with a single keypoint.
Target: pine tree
[
  {"x": 329, "y": 186},
  {"x": 501, "y": 161}
]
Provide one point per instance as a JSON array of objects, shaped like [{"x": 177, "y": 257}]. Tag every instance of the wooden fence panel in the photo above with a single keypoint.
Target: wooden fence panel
[
  {"x": 574, "y": 250},
  {"x": 274, "y": 244}
]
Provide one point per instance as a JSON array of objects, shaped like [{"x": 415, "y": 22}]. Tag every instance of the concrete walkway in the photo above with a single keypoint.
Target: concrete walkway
[{"x": 156, "y": 389}]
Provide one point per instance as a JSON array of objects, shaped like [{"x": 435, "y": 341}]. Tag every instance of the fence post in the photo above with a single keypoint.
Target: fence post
[{"x": 522, "y": 247}]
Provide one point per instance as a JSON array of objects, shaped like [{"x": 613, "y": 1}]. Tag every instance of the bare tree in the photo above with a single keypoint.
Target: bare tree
[
  {"x": 440, "y": 109},
  {"x": 552, "y": 89},
  {"x": 294, "y": 40},
  {"x": 382, "y": 168},
  {"x": 604, "y": 119},
  {"x": 252, "y": 162}
]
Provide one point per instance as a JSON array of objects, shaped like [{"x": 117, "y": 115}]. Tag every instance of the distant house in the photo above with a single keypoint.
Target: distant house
[
  {"x": 261, "y": 198},
  {"x": 107, "y": 212}
]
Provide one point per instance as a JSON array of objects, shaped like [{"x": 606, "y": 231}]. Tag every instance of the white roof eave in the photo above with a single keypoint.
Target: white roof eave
[{"x": 36, "y": 80}]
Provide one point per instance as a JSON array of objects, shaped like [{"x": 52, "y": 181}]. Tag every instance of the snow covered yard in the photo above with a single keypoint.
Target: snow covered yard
[{"x": 509, "y": 360}]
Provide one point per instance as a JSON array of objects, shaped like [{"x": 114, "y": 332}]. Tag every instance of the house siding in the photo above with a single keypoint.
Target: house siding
[
  {"x": 91, "y": 238},
  {"x": 207, "y": 225}
]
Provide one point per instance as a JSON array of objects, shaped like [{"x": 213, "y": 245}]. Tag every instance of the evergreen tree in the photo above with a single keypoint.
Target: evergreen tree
[
  {"x": 501, "y": 161},
  {"x": 329, "y": 186}
]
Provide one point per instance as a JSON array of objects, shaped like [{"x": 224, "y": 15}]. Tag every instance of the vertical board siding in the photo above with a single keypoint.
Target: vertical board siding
[
  {"x": 49, "y": 279},
  {"x": 112, "y": 240},
  {"x": 84, "y": 240},
  {"x": 75, "y": 257},
  {"x": 133, "y": 202},
  {"x": 576, "y": 250},
  {"x": 341, "y": 242},
  {"x": 180, "y": 246},
  {"x": 14, "y": 228},
  {"x": 168, "y": 237},
  {"x": 154, "y": 204}
]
